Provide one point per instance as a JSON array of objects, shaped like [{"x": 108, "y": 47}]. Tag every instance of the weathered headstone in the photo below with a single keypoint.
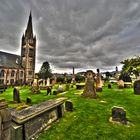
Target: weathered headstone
[
  {"x": 120, "y": 84},
  {"x": 109, "y": 85},
  {"x": 137, "y": 87},
  {"x": 69, "y": 106},
  {"x": 5, "y": 121},
  {"x": 98, "y": 81},
  {"x": 60, "y": 88},
  {"x": 35, "y": 86},
  {"x": 119, "y": 114},
  {"x": 28, "y": 100},
  {"x": 48, "y": 81},
  {"x": 89, "y": 89},
  {"x": 67, "y": 87},
  {"x": 49, "y": 90},
  {"x": 16, "y": 95},
  {"x": 54, "y": 92}
]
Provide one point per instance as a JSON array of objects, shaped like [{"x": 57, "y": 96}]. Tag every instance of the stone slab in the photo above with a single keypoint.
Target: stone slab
[{"x": 30, "y": 112}]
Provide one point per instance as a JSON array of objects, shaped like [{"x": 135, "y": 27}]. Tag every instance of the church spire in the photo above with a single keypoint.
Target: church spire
[{"x": 29, "y": 29}]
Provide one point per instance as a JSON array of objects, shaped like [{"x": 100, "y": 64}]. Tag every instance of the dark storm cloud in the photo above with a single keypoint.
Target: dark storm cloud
[{"x": 80, "y": 33}]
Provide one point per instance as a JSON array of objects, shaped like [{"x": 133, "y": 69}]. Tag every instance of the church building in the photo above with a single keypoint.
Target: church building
[{"x": 16, "y": 69}]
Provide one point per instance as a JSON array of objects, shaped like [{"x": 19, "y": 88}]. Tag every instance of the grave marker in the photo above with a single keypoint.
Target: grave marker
[
  {"x": 69, "y": 106},
  {"x": 137, "y": 87},
  {"x": 16, "y": 95},
  {"x": 89, "y": 89},
  {"x": 119, "y": 114}
]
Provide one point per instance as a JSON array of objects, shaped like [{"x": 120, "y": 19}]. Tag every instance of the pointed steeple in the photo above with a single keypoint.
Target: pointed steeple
[{"x": 29, "y": 29}]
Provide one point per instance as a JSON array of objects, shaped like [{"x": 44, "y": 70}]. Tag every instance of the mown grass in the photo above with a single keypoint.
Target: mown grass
[{"x": 90, "y": 118}]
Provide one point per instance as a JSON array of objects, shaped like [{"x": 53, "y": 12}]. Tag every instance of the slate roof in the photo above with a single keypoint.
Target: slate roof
[{"x": 9, "y": 60}]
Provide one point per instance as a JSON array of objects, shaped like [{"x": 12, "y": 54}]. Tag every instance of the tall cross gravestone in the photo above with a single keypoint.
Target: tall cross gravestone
[
  {"x": 73, "y": 76},
  {"x": 89, "y": 89}
]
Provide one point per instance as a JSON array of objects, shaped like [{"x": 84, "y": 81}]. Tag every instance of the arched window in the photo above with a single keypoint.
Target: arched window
[
  {"x": 12, "y": 73},
  {"x": 2, "y": 73}
]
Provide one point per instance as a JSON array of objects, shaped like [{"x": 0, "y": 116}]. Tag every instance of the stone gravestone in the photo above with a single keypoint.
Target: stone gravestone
[
  {"x": 109, "y": 85},
  {"x": 54, "y": 92},
  {"x": 60, "y": 88},
  {"x": 119, "y": 114},
  {"x": 67, "y": 87},
  {"x": 5, "y": 121},
  {"x": 98, "y": 81},
  {"x": 137, "y": 87},
  {"x": 89, "y": 89},
  {"x": 48, "y": 81},
  {"x": 16, "y": 95},
  {"x": 120, "y": 84},
  {"x": 35, "y": 86},
  {"x": 69, "y": 106},
  {"x": 28, "y": 100}
]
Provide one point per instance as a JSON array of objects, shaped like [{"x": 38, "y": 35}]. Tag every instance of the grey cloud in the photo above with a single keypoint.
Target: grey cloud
[{"x": 79, "y": 33}]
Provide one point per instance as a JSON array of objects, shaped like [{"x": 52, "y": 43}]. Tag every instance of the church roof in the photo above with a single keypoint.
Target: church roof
[{"x": 9, "y": 60}]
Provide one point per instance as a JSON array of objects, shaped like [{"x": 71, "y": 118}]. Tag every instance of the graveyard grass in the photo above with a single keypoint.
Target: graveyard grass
[{"x": 90, "y": 118}]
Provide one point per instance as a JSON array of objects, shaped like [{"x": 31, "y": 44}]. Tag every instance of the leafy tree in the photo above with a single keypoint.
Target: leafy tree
[
  {"x": 45, "y": 71},
  {"x": 79, "y": 78},
  {"x": 60, "y": 79},
  {"x": 108, "y": 74},
  {"x": 125, "y": 77},
  {"x": 131, "y": 66}
]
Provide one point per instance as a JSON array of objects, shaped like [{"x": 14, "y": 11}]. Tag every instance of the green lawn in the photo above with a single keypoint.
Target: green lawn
[{"x": 90, "y": 118}]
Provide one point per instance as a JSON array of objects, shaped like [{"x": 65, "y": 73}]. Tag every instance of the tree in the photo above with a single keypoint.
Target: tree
[
  {"x": 108, "y": 74},
  {"x": 79, "y": 78},
  {"x": 45, "y": 71},
  {"x": 131, "y": 66},
  {"x": 125, "y": 77}
]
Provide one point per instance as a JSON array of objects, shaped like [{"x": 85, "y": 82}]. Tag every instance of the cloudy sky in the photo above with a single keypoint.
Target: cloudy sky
[{"x": 85, "y": 34}]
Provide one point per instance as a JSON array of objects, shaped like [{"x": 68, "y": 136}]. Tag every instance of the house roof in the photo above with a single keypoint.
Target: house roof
[{"x": 9, "y": 60}]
